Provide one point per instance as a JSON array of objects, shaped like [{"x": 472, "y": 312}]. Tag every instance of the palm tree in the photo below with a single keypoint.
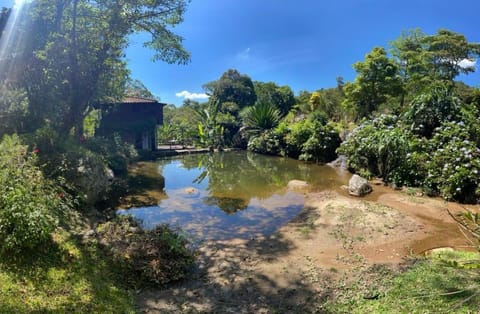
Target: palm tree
[{"x": 261, "y": 117}]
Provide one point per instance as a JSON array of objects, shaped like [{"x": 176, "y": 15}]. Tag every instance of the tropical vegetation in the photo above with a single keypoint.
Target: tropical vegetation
[{"x": 404, "y": 119}]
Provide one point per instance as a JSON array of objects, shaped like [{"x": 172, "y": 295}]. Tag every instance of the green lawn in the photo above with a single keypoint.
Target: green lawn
[
  {"x": 434, "y": 285},
  {"x": 68, "y": 278}
]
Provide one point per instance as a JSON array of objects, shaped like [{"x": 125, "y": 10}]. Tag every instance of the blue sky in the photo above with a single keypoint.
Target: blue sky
[{"x": 305, "y": 44}]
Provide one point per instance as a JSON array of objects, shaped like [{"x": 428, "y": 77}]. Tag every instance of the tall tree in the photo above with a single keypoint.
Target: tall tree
[
  {"x": 408, "y": 50},
  {"x": 232, "y": 87},
  {"x": 449, "y": 54},
  {"x": 76, "y": 56},
  {"x": 279, "y": 96},
  {"x": 424, "y": 59},
  {"x": 377, "y": 79}
]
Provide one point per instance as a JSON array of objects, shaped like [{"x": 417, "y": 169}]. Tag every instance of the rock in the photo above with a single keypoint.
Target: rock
[
  {"x": 190, "y": 190},
  {"x": 93, "y": 179},
  {"x": 297, "y": 185},
  {"x": 358, "y": 186},
  {"x": 340, "y": 162}
]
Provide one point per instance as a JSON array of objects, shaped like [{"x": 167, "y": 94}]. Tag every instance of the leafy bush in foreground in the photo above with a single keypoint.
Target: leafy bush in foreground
[
  {"x": 29, "y": 204},
  {"x": 89, "y": 169},
  {"x": 157, "y": 256}
]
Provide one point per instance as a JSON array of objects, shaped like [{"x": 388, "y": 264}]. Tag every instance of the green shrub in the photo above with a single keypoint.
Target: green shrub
[
  {"x": 90, "y": 169},
  {"x": 454, "y": 165},
  {"x": 29, "y": 203},
  {"x": 322, "y": 144},
  {"x": 267, "y": 143},
  {"x": 298, "y": 134},
  {"x": 309, "y": 140},
  {"x": 430, "y": 109},
  {"x": 116, "y": 153},
  {"x": 155, "y": 256},
  {"x": 382, "y": 148}
]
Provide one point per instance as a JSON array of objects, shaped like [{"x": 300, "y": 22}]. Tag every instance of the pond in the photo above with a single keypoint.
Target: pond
[{"x": 224, "y": 195}]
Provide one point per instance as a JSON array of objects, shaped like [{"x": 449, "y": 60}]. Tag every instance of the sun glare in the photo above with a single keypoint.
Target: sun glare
[{"x": 18, "y": 3}]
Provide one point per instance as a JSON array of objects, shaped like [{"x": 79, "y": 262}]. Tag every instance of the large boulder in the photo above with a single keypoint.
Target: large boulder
[
  {"x": 358, "y": 186},
  {"x": 93, "y": 179}
]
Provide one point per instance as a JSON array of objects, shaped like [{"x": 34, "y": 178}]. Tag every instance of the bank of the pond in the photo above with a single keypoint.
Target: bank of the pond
[
  {"x": 163, "y": 151},
  {"x": 334, "y": 245}
]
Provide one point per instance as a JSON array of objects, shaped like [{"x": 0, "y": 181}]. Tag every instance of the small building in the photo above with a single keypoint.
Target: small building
[{"x": 135, "y": 119}]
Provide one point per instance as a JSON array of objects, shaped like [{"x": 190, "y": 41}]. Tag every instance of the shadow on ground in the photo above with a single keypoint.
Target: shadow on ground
[{"x": 228, "y": 279}]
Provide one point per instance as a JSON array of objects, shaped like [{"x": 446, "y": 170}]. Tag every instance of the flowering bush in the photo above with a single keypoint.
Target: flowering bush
[
  {"x": 448, "y": 164},
  {"x": 454, "y": 168},
  {"x": 429, "y": 110},
  {"x": 382, "y": 147}
]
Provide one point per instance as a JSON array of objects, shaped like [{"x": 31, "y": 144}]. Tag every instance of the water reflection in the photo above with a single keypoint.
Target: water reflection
[{"x": 224, "y": 195}]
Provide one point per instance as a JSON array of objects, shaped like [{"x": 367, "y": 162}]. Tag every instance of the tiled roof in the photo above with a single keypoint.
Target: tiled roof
[
  {"x": 131, "y": 100},
  {"x": 138, "y": 100}
]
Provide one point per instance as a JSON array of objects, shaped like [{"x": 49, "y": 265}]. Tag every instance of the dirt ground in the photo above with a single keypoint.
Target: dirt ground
[{"x": 299, "y": 267}]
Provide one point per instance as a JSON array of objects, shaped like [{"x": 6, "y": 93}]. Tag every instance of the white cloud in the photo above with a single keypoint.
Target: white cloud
[
  {"x": 465, "y": 63},
  {"x": 193, "y": 96},
  {"x": 245, "y": 54}
]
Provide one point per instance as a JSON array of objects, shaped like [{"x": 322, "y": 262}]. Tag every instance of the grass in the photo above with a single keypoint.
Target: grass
[
  {"x": 67, "y": 277},
  {"x": 429, "y": 286}
]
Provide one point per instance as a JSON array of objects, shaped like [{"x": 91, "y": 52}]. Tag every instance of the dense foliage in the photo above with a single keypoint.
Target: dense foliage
[
  {"x": 30, "y": 205},
  {"x": 309, "y": 140},
  {"x": 69, "y": 55},
  {"x": 434, "y": 145}
]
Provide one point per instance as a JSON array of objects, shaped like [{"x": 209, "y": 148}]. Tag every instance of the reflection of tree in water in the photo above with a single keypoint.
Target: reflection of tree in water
[
  {"x": 227, "y": 204},
  {"x": 240, "y": 175}
]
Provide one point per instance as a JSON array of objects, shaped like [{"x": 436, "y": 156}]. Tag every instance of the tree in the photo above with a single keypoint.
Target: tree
[
  {"x": 302, "y": 101},
  {"x": 211, "y": 133},
  {"x": 232, "y": 87},
  {"x": 315, "y": 100},
  {"x": 261, "y": 117},
  {"x": 409, "y": 53},
  {"x": 279, "y": 96},
  {"x": 4, "y": 14},
  {"x": 75, "y": 57},
  {"x": 328, "y": 101},
  {"x": 423, "y": 60},
  {"x": 377, "y": 79},
  {"x": 136, "y": 88},
  {"x": 447, "y": 51}
]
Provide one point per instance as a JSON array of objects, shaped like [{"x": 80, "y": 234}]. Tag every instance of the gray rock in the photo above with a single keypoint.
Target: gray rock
[
  {"x": 358, "y": 186},
  {"x": 93, "y": 179},
  {"x": 340, "y": 162}
]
